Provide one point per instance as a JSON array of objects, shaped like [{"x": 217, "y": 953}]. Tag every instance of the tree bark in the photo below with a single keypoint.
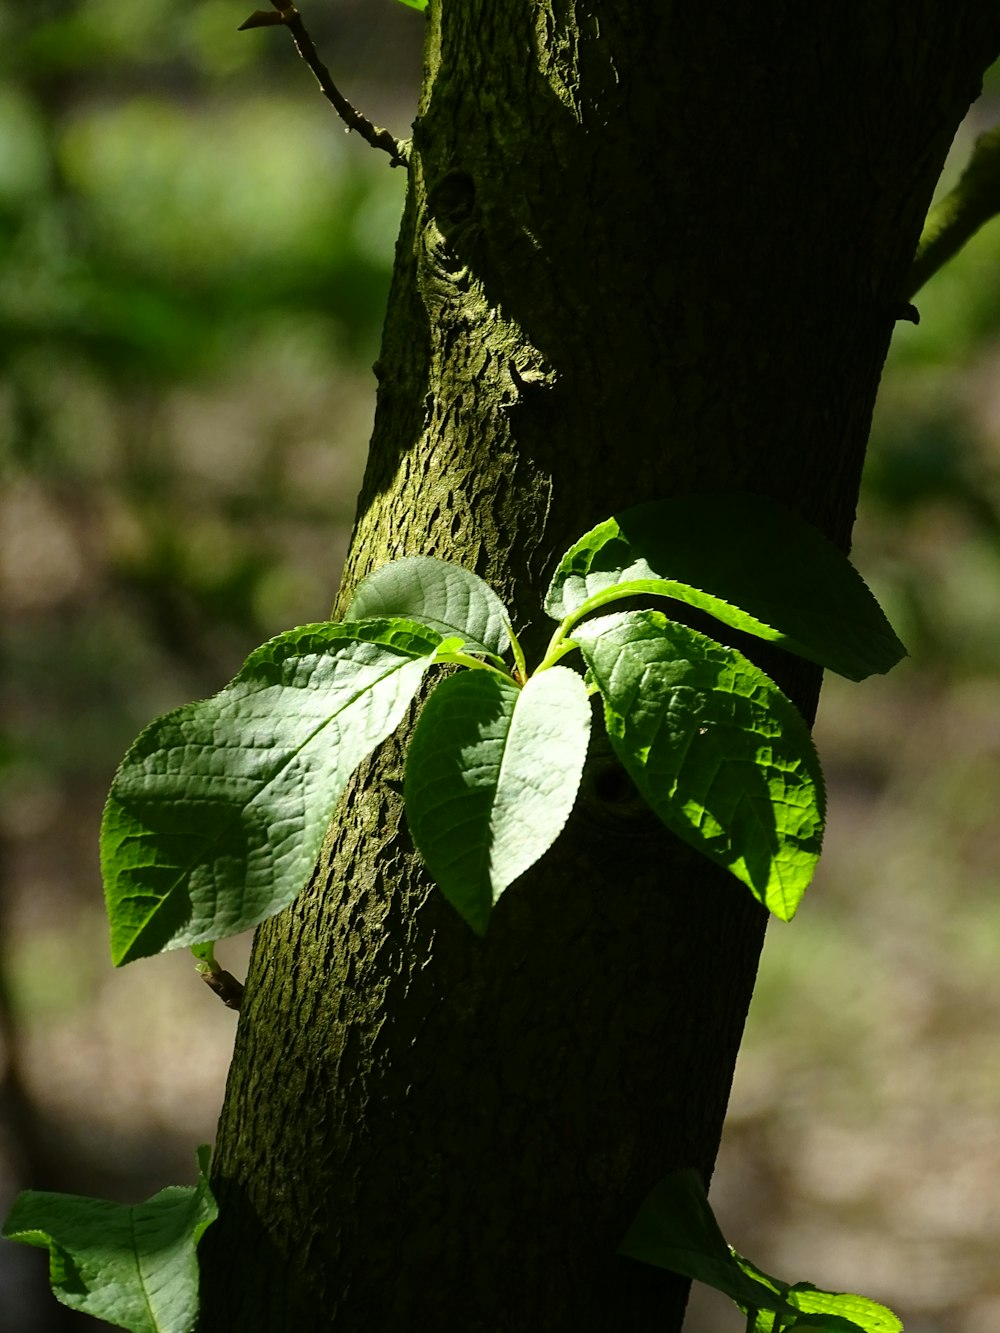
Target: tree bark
[{"x": 648, "y": 250}]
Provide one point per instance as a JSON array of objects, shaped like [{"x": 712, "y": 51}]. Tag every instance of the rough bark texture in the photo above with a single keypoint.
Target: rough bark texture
[{"x": 648, "y": 249}]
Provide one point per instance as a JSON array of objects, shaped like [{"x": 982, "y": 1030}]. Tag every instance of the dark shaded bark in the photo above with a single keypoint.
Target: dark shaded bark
[{"x": 649, "y": 249}]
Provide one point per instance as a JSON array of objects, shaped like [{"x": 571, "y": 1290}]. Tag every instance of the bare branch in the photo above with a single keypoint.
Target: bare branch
[
  {"x": 289, "y": 17},
  {"x": 960, "y": 214}
]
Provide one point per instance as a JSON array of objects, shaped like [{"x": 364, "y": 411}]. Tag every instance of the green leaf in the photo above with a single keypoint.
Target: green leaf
[
  {"x": 744, "y": 559},
  {"x": 830, "y": 1311},
  {"x": 217, "y": 814},
  {"x": 491, "y": 777},
  {"x": 714, "y": 747},
  {"x": 414, "y": 4},
  {"x": 133, "y": 1266},
  {"x": 676, "y": 1229},
  {"x": 835, "y": 1306},
  {"x": 448, "y": 598}
]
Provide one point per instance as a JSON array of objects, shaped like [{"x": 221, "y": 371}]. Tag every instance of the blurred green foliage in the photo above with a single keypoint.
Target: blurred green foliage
[{"x": 193, "y": 267}]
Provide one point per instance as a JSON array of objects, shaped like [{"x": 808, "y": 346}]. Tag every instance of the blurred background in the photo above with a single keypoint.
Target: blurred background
[{"x": 194, "y": 260}]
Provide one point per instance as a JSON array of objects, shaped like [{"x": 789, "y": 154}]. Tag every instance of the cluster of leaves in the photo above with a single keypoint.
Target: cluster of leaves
[{"x": 216, "y": 816}]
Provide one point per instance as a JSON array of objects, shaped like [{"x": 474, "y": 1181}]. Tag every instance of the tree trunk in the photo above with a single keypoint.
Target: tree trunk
[{"x": 648, "y": 249}]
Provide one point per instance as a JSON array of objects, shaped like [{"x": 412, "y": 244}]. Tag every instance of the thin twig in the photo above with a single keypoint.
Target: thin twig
[
  {"x": 289, "y": 17},
  {"x": 960, "y": 214}
]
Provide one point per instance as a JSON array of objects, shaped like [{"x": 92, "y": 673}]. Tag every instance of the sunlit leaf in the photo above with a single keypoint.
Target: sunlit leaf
[
  {"x": 744, "y": 559},
  {"x": 216, "y": 816},
  {"x": 714, "y": 747},
  {"x": 826, "y": 1311},
  {"x": 491, "y": 777},
  {"x": 448, "y": 598}
]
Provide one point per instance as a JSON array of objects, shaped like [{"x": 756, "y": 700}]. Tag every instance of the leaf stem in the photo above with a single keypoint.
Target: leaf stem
[
  {"x": 618, "y": 592},
  {"x": 474, "y": 664},
  {"x": 558, "y": 647},
  {"x": 519, "y": 662}
]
